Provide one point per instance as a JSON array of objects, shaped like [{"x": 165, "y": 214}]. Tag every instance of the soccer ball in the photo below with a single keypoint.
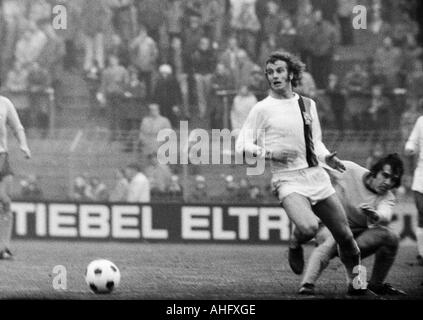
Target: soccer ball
[{"x": 102, "y": 276}]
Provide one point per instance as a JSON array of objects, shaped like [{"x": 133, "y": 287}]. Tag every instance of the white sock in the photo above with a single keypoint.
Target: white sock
[
  {"x": 6, "y": 222},
  {"x": 419, "y": 234}
]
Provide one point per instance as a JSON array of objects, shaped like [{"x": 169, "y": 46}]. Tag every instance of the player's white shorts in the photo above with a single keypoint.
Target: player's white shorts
[
  {"x": 418, "y": 180},
  {"x": 313, "y": 183}
]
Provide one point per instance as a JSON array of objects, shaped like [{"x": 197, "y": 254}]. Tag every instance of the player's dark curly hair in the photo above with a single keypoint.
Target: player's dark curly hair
[
  {"x": 396, "y": 164},
  {"x": 295, "y": 65}
]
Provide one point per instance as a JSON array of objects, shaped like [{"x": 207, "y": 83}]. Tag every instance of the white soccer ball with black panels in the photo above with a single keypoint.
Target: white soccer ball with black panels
[{"x": 102, "y": 276}]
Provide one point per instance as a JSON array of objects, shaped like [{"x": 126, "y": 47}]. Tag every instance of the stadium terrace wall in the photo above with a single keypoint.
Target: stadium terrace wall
[{"x": 152, "y": 222}]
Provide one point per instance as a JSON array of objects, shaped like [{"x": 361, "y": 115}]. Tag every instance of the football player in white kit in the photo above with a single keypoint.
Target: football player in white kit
[
  {"x": 8, "y": 116},
  {"x": 414, "y": 146},
  {"x": 284, "y": 128}
]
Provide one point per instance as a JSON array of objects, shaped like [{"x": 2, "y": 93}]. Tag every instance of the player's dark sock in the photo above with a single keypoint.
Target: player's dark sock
[{"x": 296, "y": 259}]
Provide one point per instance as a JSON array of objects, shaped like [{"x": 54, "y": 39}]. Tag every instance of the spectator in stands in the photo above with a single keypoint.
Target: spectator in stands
[
  {"x": 174, "y": 18},
  {"x": 356, "y": 84},
  {"x": 51, "y": 57},
  {"x": 135, "y": 94},
  {"x": 379, "y": 111},
  {"x": 231, "y": 54},
  {"x": 16, "y": 85},
  {"x": 245, "y": 23},
  {"x": 159, "y": 176},
  {"x": 145, "y": 56},
  {"x": 150, "y": 127},
  {"x": 243, "y": 190},
  {"x": 411, "y": 56},
  {"x": 31, "y": 189},
  {"x": 167, "y": 94},
  {"x": 268, "y": 46},
  {"x": 288, "y": 38},
  {"x": 139, "y": 186},
  {"x": 387, "y": 63},
  {"x": 244, "y": 68},
  {"x": 113, "y": 85},
  {"x": 93, "y": 81},
  {"x": 192, "y": 34},
  {"x": 199, "y": 195},
  {"x": 377, "y": 152},
  {"x": 272, "y": 23},
  {"x": 204, "y": 62},
  {"x": 230, "y": 192},
  {"x": 38, "y": 84},
  {"x": 322, "y": 43},
  {"x": 97, "y": 190},
  {"x": 124, "y": 19},
  {"x": 337, "y": 99},
  {"x": 305, "y": 25},
  {"x": 30, "y": 45},
  {"x": 152, "y": 14},
  {"x": 307, "y": 86},
  {"x": 79, "y": 189},
  {"x": 119, "y": 192},
  {"x": 176, "y": 58},
  {"x": 345, "y": 14},
  {"x": 213, "y": 18},
  {"x": 175, "y": 190},
  {"x": 255, "y": 194},
  {"x": 95, "y": 19},
  {"x": 415, "y": 81},
  {"x": 258, "y": 84},
  {"x": 222, "y": 83},
  {"x": 243, "y": 103}
]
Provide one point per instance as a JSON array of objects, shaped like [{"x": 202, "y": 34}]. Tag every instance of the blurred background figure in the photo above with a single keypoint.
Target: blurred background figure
[
  {"x": 244, "y": 101},
  {"x": 150, "y": 127},
  {"x": 31, "y": 188},
  {"x": 139, "y": 186},
  {"x": 168, "y": 95},
  {"x": 199, "y": 194},
  {"x": 79, "y": 189},
  {"x": 119, "y": 193},
  {"x": 97, "y": 190},
  {"x": 159, "y": 176},
  {"x": 175, "y": 191},
  {"x": 377, "y": 152}
]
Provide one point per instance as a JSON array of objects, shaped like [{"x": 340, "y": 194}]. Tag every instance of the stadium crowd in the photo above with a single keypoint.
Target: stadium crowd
[{"x": 147, "y": 64}]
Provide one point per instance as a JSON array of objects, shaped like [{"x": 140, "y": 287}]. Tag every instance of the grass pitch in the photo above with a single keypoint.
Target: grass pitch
[{"x": 181, "y": 271}]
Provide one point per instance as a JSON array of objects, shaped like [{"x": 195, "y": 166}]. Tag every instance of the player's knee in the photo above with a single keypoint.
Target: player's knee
[
  {"x": 5, "y": 202},
  {"x": 309, "y": 230},
  {"x": 391, "y": 239}
]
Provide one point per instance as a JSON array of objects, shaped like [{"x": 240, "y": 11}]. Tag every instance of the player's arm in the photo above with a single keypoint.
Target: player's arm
[
  {"x": 320, "y": 149},
  {"x": 253, "y": 129},
  {"x": 246, "y": 143},
  {"x": 382, "y": 214},
  {"x": 17, "y": 128},
  {"x": 412, "y": 145}
]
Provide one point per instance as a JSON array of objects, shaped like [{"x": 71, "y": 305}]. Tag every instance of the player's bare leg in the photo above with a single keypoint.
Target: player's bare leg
[
  {"x": 384, "y": 244},
  {"x": 418, "y": 198},
  {"x": 318, "y": 260},
  {"x": 333, "y": 216},
  {"x": 6, "y": 217},
  {"x": 298, "y": 209}
]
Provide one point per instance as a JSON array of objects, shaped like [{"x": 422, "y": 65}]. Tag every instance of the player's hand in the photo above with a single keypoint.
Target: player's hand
[
  {"x": 284, "y": 156},
  {"x": 26, "y": 152},
  {"x": 333, "y": 161},
  {"x": 370, "y": 212}
]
